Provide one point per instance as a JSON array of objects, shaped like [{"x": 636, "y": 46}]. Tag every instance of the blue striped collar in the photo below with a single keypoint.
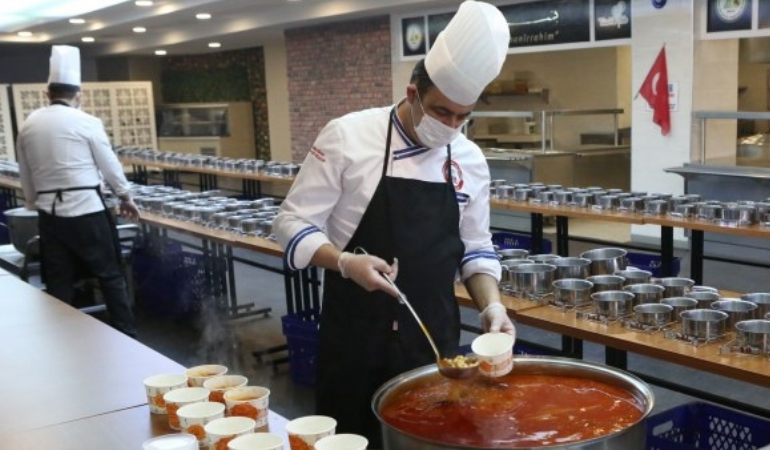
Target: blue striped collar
[{"x": 410, "y": 144}]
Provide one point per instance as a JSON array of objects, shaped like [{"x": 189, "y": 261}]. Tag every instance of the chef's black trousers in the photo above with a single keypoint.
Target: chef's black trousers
[{"x": 73, "y": 248}]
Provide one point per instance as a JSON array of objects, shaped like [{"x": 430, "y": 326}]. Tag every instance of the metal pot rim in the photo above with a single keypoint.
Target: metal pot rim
[{"x": 630, "y": 380}]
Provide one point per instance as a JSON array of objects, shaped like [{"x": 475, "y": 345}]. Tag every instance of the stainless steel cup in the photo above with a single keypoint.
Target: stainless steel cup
[
  {"x": 680, "y": 304},
  {"x": 606, "y": 282},
  {"x": 645, "y": 293}
]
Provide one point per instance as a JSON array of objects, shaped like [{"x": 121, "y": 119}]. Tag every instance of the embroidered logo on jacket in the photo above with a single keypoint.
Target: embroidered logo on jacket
[
  {"x": 455, "y": 172},
  {"x": 318, "y": 153}
]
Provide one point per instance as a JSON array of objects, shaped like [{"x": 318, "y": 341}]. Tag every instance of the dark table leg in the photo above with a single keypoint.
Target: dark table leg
[
  {"x": 572, "y": 347},
  {"x": 616, "y": 358},
  {"x": 667, "y": 251},
  {"x": 562, "y": 235},
  {"x": 537, "y": 233},
  {"x": 696, "y": 256}
]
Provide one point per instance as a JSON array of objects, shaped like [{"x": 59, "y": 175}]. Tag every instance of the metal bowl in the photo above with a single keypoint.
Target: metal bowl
[
  {"x": 680, "y": 305},
  {"x": 605, "y": 261},
  {"x": 572, "y": 291},
  {"x": 645, "y": 293},
  {"x": 755, "y": 334},
  {"x": 631, "y": 438},
  {"x": 704, "y": 324},
  {"x": 737, "y": 310},
  {"x": 533, "y": 280},
  {"x": 634, "y": 276},
  {"x": 655, "y": 314},
  {"x": 675, "y": 286},
  {"x": 543, "y": 258},
  {"x": 571, "y": 267},
  {"x": 507, "y": 279},
  {"x": 613, "y": 304},
  {"x": 606, "y": 282},
  {"x": 704, "y": 298},
  {"x": 512, "y": 253},
  {"x": 761, "y": 299}
]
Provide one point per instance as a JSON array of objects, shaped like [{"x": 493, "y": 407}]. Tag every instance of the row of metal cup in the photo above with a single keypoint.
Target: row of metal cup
[
  {"x": 738, "y": 213},
  {"x": 210, "y": 209},
  {"x": 244, "y": 165},
  {"x": 9, "y": 169}
]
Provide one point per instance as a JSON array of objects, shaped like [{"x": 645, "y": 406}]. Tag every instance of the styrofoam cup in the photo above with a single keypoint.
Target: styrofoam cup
[
  {"x": 306, "y": 431},
  {"x": 180, "y": 397},
  {"x": 249, "y": 401},
  {"x": 194, "y": 417},
  {"x": 495, "y": 353},
  {"x": 171, "y": 442},
  {"x": 342, "y": 442},
  {"x": 222, "y": 383},
  {"x": 198, "y": 374},
  {"x": 257, "y": 441},
  {"x": 221, "y": 431},
  {"x": 157, "y": 386}
]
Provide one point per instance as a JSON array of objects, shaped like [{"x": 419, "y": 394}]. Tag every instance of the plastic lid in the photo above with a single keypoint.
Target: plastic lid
[{"x": 180, "y": 441}]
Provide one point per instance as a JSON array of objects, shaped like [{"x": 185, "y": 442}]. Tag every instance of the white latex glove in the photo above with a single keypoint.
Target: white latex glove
[
  {"x": 495, "y": 318},
  {"x": 367, "y": 270}
]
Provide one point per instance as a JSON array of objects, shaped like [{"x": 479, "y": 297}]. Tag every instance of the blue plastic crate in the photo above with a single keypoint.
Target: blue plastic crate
[
  {"x": 651, "y": 262},
  {"x": 301, "y": 331},
  {"x": 514, "y": 240},
  {"x": 700, "y": 425}
]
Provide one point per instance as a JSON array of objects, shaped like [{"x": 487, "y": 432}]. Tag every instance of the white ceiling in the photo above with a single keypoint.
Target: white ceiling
[{"x": 171, "y": 24}]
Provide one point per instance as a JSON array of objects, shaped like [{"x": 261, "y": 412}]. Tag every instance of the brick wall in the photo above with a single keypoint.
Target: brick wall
[
  {"x": 252, "y": 61},
  {"x": 335, "y": 69}
]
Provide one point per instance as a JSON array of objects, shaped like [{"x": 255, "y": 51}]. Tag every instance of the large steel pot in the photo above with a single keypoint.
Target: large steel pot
[
  {"x": 22, "y": 226},
  {"x": 631, "y": 438}
]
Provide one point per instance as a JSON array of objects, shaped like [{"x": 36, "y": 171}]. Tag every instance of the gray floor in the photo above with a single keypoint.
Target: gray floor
[{"x": 209, "y": 339}]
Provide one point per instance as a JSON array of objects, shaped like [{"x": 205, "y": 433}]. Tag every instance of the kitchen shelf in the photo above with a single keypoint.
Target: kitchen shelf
[{"x": 544, "y": 95}]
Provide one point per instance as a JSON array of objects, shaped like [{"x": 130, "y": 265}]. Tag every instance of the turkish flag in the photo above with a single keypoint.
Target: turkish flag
[{"x": 655, "y": 91}]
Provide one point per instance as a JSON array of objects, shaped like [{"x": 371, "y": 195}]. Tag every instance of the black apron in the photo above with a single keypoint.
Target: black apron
[
  {"x": 60, "y": 198},
  {"x": 366, "y": 338}
]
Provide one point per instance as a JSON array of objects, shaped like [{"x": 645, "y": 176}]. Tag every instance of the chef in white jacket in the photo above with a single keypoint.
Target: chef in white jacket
[
  {"x": 63, "y": 154},
  {"x": 403, "y": 184}
]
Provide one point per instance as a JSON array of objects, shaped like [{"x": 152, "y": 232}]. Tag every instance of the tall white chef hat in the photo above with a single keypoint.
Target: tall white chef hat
[
  {"x": 65, "y": 65},
  {"x": 470, "y": 52}
]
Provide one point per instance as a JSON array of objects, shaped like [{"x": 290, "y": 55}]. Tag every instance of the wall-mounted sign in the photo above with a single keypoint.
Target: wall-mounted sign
[
  {"x": 436, "y": 24},
  {"x": 764, "y": 14},
  {"x": 548, "y": 22},
  {"x": 413, "y": 36},
  {"x": 613, "y": 19},
  {"x": 729, "y": 15}
]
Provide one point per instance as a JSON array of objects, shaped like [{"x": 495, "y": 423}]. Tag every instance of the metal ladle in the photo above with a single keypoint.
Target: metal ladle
[{"x": 445, "y": 368}]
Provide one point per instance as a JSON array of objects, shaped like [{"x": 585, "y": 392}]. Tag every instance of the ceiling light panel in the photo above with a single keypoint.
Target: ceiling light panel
[
  {"x": 77, "y": 21},
  {"x": 203, "y": 16},
  {"x": 161, "y": 52},
  {"x": 87, "y": 39},
  {"x": 143, "y": 3},
  {"x": 139, "y": 29},
  {"x": 215, "y": 44},
  {"x": 16, "y": 15}
]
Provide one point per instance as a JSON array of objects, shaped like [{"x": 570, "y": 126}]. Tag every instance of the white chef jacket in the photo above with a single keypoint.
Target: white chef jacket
[
  {"x": 61, "y": 147},
  {"x": 342, "y": 171}
]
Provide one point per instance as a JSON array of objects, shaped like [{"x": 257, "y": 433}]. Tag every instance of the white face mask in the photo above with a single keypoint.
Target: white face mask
[{"x": 431, "y": 132}]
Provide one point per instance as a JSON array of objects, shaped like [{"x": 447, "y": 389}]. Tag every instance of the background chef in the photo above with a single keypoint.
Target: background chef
[
  {"x": 63, "y": 153},
  {"x": 403, "y": 184}
]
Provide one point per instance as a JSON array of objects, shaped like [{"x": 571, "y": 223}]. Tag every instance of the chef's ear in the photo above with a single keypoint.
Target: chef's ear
[{"x": 411, "y": 93}]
